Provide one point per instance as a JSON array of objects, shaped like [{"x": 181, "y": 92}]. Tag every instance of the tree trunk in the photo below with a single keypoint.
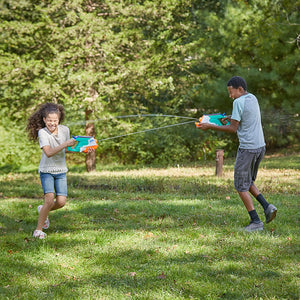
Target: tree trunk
[
  {"x": 219, "y": 162},
  {"x": 90, "y": 159}
]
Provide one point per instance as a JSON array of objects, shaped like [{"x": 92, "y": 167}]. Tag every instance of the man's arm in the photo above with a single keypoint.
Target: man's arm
[{"x": 232, "y": 128}]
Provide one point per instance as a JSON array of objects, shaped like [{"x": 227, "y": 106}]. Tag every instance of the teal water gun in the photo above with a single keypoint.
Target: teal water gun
[
  {"x": 84, "y": 144},
  {"x": 217, "y": 119}
]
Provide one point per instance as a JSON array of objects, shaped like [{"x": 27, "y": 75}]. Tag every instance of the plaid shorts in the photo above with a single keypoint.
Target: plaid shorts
[{"x": 246, "y": 167}]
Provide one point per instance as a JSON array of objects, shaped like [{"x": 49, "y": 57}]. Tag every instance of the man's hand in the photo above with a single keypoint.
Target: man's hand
[
  {"x": 204, "y": 126},
  {"x": 232, "y": 128}
]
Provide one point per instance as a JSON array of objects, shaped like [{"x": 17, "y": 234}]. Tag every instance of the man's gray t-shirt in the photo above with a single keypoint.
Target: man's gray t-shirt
[
  {"x": 57, "y": 163},
  {"x": 247, "y": 112}
]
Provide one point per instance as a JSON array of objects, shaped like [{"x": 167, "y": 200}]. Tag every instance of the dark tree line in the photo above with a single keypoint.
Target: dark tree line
[{"x": 110, "y": 58}]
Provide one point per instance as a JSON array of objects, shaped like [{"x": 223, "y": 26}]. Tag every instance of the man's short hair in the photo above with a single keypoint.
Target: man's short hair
[{"x": 236, "y": 82}]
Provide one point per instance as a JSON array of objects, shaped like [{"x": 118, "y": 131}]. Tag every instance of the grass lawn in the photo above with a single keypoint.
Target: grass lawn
[{"x": 151, "y": 233}]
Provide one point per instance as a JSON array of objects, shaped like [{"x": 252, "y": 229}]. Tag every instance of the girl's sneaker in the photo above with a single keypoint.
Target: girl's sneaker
[
  {"x": 39, "y": 234},
  {"x": 47, "y": 222}
]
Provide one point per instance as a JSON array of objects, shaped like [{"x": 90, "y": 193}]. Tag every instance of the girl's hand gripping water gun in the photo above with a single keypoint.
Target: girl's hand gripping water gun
[
  {"x": 85, "y": 143},
  {"x": 217, "y": 119}
]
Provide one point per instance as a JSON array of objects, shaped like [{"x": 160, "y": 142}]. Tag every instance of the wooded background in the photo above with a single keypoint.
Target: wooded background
[{"x": 105, "y": 59}]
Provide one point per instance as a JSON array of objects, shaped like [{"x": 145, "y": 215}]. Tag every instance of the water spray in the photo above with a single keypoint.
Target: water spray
[{"x": 85, "y": 140}]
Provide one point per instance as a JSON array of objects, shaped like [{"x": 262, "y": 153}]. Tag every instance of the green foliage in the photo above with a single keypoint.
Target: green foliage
[
  {"x": 17, "y": 153},
  {"x": 140, "y": 141},
  {"x": 113, "y": 58}
]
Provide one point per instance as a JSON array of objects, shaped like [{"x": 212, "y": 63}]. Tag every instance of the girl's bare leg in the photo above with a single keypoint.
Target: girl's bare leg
[
  {"x": 48, "y": 206},
  {"x": 59, "y": 203}
]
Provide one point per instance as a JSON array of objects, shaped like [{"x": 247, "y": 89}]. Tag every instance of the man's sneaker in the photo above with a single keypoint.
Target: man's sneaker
[
  {"x": 254, "y": 227},
  {"x": 270, "y": 213},
  {"x": 39, "y": 234},
  {"x": 47, "y": 222}
]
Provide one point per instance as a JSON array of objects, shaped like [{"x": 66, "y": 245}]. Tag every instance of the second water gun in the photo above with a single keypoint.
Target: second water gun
[{"x": 217, "y": 119}]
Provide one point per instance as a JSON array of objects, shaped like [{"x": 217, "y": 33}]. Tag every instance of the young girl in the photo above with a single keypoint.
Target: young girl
[{"x": 53, "y": 139}]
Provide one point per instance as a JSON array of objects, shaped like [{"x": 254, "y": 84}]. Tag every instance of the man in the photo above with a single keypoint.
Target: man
[{"x": 246, "y": 122}]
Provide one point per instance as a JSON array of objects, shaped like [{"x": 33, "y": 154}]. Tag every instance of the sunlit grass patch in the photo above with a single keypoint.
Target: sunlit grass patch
[{"x": 150, "y": 233}]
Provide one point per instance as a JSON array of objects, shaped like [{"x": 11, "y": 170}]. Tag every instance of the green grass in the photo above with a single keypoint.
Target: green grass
[{"x": 151, "y": 233}]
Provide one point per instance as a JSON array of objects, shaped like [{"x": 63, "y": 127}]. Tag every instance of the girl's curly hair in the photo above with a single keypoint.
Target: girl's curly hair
[{"x": 36, "y": 122}]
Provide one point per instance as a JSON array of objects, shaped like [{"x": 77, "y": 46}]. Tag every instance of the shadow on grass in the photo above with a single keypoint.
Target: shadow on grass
[
  {"x": 28, "y": 186},
  {"x": 161, "y": 212},
  {"x": 177, "y": 186},
  {"x": 207, "y": 276},
  {"x": 22, "y": 188},
  {"x": 220, "y": 269}
]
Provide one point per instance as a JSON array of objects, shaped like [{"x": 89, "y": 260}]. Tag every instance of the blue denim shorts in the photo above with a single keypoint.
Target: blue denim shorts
[
  {"x": 246, "y": 168},
  {"x": 54, "y": 183}
]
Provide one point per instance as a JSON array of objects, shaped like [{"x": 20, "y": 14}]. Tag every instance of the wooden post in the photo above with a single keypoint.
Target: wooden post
[
  {"x": 90, "y": 158},
  {"x": 219, "y": 162}
]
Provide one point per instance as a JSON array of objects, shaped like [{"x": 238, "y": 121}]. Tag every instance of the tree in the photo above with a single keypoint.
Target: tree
[{"x": 108, "y": 58}]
